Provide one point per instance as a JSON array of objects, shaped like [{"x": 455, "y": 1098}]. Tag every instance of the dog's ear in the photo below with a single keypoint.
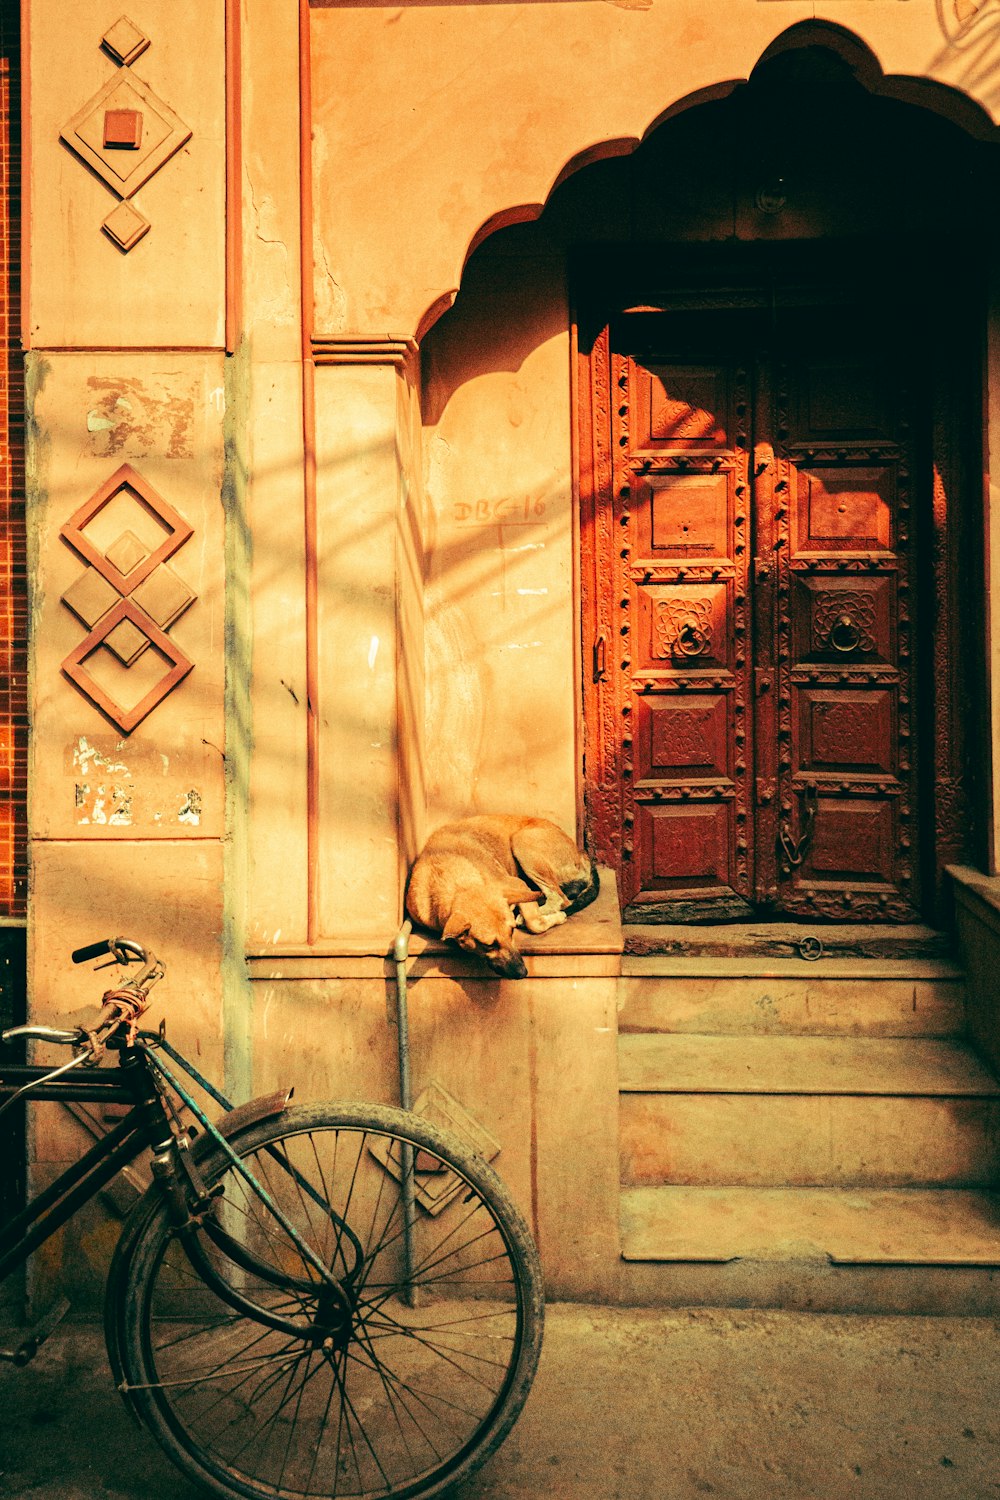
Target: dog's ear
[
  {"x": 515, "y": 891},
  {"x": 456, "y": 927}
]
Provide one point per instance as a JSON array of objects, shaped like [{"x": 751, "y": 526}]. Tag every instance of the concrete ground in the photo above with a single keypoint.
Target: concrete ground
[{"x": 628, "y": 1404}]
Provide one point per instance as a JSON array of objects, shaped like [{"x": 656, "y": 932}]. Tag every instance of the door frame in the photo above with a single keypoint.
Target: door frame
[{"x": 951, "y": 707}]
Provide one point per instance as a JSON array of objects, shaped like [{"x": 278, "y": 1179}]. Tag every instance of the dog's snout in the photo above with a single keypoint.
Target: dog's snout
[{"x": 509, "y": 964}]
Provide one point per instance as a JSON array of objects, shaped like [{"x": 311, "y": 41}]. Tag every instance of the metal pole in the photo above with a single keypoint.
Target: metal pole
[{"x": 400, "y": 953}]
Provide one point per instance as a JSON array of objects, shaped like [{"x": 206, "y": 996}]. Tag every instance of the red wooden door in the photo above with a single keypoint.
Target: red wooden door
[{"x": 748, "y": 566}]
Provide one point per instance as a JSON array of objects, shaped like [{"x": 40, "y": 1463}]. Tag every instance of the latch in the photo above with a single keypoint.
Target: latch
[
  {"x": 600, "y": 658},
  {"x": 794, "y": 849}
]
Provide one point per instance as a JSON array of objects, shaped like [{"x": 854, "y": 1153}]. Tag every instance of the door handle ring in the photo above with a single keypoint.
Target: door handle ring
[
  {"x": 691, "y": 640},
  {"x": 844, "y": 635}
]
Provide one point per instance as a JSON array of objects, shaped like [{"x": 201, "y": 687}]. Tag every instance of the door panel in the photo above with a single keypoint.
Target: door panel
[
  {"x": 749, "y": 748},
  {"x": 671, "y": 796},
  {"x": 846, "y": 780}
]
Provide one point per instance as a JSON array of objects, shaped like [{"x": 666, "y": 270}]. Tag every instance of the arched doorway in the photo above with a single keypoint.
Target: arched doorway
[{"x": 779, "y": 438}]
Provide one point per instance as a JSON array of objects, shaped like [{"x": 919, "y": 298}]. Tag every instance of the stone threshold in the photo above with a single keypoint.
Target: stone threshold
[{"x": 803, "y": 942}]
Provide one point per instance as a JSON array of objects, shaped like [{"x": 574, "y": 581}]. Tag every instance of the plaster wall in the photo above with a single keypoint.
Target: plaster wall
[
  {"x": 82, "y": 288},
  {"x": 501, "y": 632},
  {"x": 533, "y": 1062},
  {"x": 474, "y": 111},
  {"x": 127, "y": 823},
  {"x": 276, "y": 806}
]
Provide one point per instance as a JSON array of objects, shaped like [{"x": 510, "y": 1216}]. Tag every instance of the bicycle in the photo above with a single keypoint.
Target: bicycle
[{"x": 325, "y": 1300}]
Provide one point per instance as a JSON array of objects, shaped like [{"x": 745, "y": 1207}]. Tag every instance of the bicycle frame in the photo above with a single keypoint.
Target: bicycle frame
[
  {"x": 144, "y": 1129},
  {"x": 147, "y": 1127}
]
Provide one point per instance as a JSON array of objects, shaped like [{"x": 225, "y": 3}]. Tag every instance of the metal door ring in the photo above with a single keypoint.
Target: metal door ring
[
  {"x": 811, "y": 948},
  {"x": 692, "y": 640},
  {"x": 845, "y": 635}
]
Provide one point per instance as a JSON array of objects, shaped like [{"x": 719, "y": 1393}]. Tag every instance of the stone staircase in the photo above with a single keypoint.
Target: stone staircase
[{"x": 806, "y": 1135}]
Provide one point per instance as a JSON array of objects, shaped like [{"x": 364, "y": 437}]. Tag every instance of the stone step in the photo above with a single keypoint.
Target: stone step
[
  {"x": 889, "y": 1002},
  {"x": 848, "y": 1227},
  {"x": 773, "y": 1140},
  {"x": 694, "y": 1064},
  {"x": 770, "y": 940}
]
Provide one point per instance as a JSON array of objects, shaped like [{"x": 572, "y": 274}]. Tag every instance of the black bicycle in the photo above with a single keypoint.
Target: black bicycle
[{"x": 325, "y": 1300}]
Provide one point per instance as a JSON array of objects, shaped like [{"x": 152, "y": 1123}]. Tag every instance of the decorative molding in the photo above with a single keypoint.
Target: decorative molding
[
  {"x": 127, "y": 598},
  {"x": 125, "y": 133},
  {"x": 359, "y": 351}
]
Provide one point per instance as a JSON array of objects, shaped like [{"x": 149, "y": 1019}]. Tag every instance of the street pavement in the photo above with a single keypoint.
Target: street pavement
[{"x": 637, "y": 1404}]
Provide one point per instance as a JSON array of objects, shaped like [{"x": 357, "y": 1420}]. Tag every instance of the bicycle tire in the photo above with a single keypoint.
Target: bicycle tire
[{"x": 401, "y": 1401}]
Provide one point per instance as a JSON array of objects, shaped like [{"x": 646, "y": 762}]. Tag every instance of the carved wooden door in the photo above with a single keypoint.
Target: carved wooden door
[{"x": 747, "y": 570}]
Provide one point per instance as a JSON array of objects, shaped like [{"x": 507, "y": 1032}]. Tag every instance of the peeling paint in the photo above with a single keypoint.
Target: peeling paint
[
  {"x": 86, "y": 756},
  {"x": 373, "y": 652},
  {"x": 191, "y": 810},
  {"x": 105, "y": 805},
  {"x": 141, "y": 417}
]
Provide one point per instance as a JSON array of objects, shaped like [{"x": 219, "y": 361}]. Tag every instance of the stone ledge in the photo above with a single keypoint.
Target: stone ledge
[
  {"x": 979, "y": 894},
  {"x": 588, "y": 945}
]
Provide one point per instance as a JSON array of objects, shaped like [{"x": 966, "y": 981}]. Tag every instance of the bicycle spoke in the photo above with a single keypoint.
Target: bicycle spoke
[
  {"x": 401, "y": 1331},
  {"x": 347, "y": 1408},
  {"x": 430, "y": 1395},
  {"x": 392, "y": 1405},
  {"x": 322, "y": 1427},
  {"x": 399, "y": 1398}
]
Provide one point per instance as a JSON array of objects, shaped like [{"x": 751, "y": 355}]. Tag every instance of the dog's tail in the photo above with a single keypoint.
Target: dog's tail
[{"x": 582, "y": 891}]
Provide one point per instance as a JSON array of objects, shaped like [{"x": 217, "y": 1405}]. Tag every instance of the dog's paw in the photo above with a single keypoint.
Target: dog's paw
[{"x": 539, "y": 924}]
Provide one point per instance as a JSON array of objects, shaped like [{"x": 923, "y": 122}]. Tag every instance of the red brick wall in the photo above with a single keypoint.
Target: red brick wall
[{"x": 13, "y": 576}]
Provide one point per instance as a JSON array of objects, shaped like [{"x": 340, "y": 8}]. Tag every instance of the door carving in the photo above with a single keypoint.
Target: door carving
[{"x": 749, "y": 565}]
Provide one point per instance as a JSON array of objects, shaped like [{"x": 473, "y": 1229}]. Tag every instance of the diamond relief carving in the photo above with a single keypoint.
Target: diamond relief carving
[
  {"x": 124, "y": 41},
  {"x": 126, "y": 480},
  {"x": 162, "y": 133},
  {"x": 127, "y": 597},
  {"x": 126, "y": 225},
  {"x": 125, "y": 133}
]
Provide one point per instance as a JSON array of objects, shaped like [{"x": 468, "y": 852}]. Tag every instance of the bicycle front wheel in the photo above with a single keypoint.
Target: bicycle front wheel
[{"x": 272, "y": 1384}]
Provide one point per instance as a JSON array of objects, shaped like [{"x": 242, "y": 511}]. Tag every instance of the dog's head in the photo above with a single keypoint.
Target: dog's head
[{"x": 483, "y": 922}]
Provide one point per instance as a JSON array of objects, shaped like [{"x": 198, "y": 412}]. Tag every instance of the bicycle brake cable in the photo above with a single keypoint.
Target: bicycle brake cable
[{"x": 34, "y": 1083}]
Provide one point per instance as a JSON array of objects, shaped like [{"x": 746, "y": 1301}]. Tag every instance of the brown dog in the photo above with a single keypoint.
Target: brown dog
[{"x": 471, "y": 877}]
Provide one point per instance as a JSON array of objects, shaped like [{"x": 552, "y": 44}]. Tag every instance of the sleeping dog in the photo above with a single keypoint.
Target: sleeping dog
[{"x": 478, "y": 879}]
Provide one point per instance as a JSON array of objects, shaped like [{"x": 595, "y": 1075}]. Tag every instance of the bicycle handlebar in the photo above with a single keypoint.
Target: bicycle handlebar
[
  {"x": 125, "y": 950},
  {"x": 41, "y": 1034},
  {"x": 123, "y": 1005}
]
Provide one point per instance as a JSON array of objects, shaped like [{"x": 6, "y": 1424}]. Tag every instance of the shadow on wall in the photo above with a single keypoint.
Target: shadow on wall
[
  {"x": 970, "y": 58},
  {"x": 491, "y": 523}
]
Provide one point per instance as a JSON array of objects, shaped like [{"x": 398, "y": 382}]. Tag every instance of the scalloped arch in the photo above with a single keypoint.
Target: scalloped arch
[{"x": 951, "y": 102}]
